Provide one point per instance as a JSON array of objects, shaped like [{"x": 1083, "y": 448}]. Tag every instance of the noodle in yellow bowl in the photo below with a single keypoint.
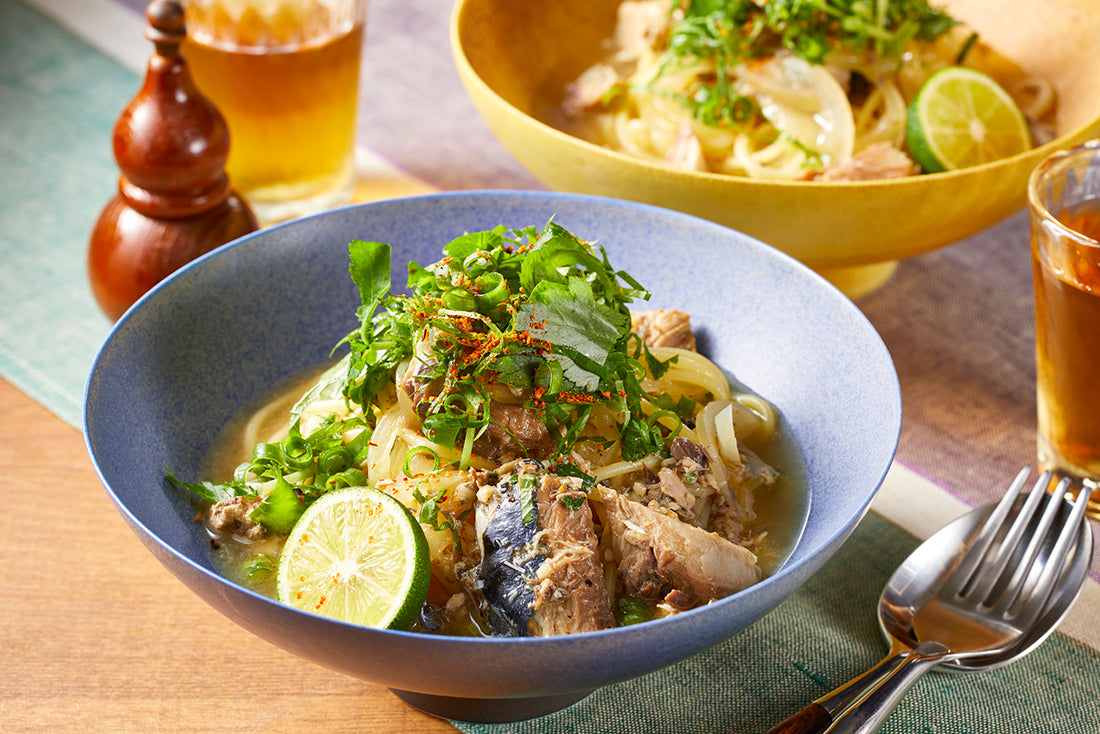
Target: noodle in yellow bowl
[{"x": 517, "y": 61}]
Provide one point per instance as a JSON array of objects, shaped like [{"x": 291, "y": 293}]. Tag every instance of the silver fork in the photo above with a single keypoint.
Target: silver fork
[
  {"x": 969, "y": 597},
  {"x": 988, "y": 602}
]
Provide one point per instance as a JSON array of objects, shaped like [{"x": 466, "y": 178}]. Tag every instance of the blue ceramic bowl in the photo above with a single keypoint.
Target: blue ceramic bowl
[{"x": 221, "y": 332}]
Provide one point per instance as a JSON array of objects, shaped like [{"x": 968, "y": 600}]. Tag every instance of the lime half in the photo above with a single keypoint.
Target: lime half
[
  {"x": 356, "y": 555},
  {"x": 962, "y": 118}
]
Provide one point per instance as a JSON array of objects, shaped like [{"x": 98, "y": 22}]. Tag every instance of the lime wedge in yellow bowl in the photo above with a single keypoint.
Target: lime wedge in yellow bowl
[
  {"x": 962, "y": 118},
  {"x": 357, "y": 555}
]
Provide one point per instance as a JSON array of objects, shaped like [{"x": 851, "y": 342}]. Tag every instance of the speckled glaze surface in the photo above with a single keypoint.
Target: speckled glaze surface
[{"x": 220, "y": 333}]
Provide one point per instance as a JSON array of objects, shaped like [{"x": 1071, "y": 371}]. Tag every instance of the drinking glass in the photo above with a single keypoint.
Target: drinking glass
[
  {"x": 1064, "y": 207},
  {"x": 285, "y": 75}
]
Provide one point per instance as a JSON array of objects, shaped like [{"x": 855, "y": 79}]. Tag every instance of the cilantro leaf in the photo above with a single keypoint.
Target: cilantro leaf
[
  {"x": 370, "y": 269},
  {"x": 329, "y": 387},
  {"x": 280, "y": 509},
  {"x": 212, "y": 492},
  {"x": 569, "y": 316}
]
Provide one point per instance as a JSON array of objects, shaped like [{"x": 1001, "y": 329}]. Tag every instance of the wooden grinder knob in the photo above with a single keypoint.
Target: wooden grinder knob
[{"x": 174, "y": 202}]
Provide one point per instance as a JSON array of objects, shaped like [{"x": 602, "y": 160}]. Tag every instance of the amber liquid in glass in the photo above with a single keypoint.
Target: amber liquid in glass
[
  {"x": 1067, "y": 323},
  {"x": 289, "y": 100}
]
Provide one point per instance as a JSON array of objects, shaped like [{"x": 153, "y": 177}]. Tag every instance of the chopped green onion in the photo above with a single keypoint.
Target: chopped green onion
[
  {"x": 335, "y": 459},
  {"x": 296, "y": 452},
  {"x": 526, "y": 486},
  {"x": 260, "y": 567},
  {"x": 407, "y": 463},
  {"x": 459, "y": 299},
  {"x": 629, "y": 610}
]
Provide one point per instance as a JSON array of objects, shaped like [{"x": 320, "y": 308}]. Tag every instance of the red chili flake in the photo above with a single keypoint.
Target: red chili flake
[
  {"x": 572, "y": 396},
  {"x": 526, "y": 339}
]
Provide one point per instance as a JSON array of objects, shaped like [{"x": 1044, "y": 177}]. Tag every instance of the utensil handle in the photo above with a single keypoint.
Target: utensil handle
[
  {"x": 816, "y": 717},
  {"x": 813, "y": 719},
  {"x": 869, "y": 710}
]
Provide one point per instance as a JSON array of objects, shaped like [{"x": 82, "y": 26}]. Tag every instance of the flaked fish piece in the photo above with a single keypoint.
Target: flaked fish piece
[
  {"x": 661, "y": 558},
  {"x": 514, "y": 431},
  {"x": 590, "y": 88},
  {"x": 234, "y": 516},
  {"x": 663, "y": 328},
  {"x": 876, "y": 161},
  {"x": 540, "y": 572},
  {"x": 571, "y": 595},
  {"x": 641, "y": 24},
  {"x": 686, "y": 152}
]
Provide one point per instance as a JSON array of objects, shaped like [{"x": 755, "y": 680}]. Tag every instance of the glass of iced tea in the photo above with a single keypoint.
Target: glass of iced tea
[
  {"x": 285, "y": 75},
  {"x": 1064, "y": 204}
]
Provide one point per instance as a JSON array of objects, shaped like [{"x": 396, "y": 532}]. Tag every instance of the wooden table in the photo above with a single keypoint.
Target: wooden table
[{"x": 80, "y": 589}]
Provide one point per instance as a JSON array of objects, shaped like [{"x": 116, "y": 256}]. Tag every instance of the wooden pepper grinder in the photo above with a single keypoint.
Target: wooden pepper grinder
[{"x": 174, "y": 202}]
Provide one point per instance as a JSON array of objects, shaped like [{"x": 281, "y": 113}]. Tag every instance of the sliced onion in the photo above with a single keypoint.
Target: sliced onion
[
  {"x": 804, "y": 101},
  {"x": 726, "y": 434}
]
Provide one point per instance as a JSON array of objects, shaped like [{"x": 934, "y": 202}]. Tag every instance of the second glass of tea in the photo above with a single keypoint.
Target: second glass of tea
[
  {"x": 1064, "y": 207},
  {"x": 285, "y": 75}
]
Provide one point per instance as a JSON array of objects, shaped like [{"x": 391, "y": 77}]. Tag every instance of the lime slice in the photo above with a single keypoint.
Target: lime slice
[
  {"x": 962, "y": 118},
  {"x": 356, "y": 555}
]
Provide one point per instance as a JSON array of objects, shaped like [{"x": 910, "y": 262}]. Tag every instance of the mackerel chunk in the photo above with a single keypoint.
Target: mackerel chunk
[
  {"x": 570, "y": 595},
  {"x": 509, "y": 554},
  {"x": 663, "y": 559},
  {"x": 540, "y": 572}
]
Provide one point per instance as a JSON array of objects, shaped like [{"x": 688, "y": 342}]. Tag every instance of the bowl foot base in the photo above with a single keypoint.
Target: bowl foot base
[
  {"x": 488, "y": 710},
  {"x": 859, "y": 280}
]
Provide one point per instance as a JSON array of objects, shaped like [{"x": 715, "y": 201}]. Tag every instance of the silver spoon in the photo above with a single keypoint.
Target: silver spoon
[{"x": 980, "y": 593}]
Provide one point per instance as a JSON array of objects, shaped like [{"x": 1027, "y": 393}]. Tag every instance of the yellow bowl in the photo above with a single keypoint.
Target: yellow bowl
[{"x": 515, "y": 58}]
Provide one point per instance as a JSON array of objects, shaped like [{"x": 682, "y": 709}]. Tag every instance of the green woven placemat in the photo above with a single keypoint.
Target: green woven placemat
[
  {"x": 825, "y": 634},
  {"x": 59, "y": 99}
]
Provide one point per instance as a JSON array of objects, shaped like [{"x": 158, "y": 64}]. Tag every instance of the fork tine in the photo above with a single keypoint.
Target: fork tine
[
  {"x": 961, "y": 577},
  {"x": 978, "y": 547},
  {"x": 1023, "y": 567},
  {"x": 989, "y": 573},
  {"x": 1036, "y": 599}
]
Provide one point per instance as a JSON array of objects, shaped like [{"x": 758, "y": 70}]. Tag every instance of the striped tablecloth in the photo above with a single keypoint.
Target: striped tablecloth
[{"x": 958, "y": 323}]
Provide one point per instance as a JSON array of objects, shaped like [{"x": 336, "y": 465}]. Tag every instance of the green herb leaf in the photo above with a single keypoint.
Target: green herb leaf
[
  {"x": 572, "y": 501},
  {"x": 629, "y": 610},
  {"x": 570, "y": 317},
  {"x": 329, "y": 387},
  {"x": 280, "y": 509},
  {"x": 212, "y": 492},
  {"x": 526, "y": 488},
  {"x": 370, "y": 269}
]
